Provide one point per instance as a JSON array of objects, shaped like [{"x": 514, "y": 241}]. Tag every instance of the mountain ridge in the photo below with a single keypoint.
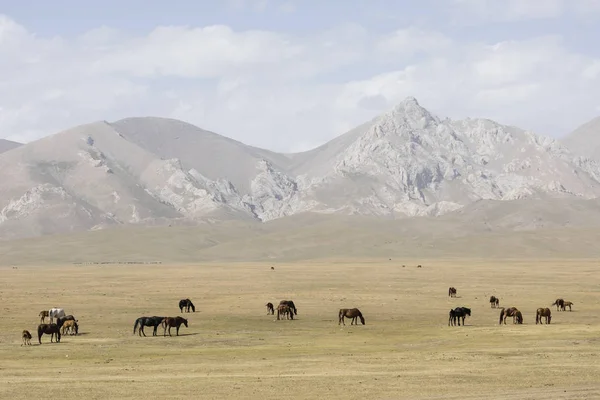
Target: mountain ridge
[{"x": 403, "y": 163}]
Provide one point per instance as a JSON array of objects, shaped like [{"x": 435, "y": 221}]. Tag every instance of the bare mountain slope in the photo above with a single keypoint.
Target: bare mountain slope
[
  {"x": 214, "y": 156},
  {"x": 404, "y": 163},
  {"x": 6, "y": 145},
  {"x": 585, "y": 140}
]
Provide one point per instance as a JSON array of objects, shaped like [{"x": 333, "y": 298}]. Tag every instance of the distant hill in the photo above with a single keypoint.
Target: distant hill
[
  {"x": 6, "y": 145},
  {"x": 404, "y": 163},
  {"x": 585, "y": 140}
]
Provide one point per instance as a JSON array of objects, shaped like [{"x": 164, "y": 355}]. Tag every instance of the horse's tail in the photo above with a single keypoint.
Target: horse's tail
[
  {"x": 501, "y": 315},
  {"x": 137, "y": 321}
]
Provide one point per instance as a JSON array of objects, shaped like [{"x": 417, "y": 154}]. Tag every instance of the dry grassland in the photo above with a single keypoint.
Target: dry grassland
[{"x": 232, "y": 349}]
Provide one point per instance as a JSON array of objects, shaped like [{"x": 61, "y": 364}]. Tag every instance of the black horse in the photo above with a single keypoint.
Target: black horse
[
  {"x": 49, "y": 329},
  {"x": 455, "y": 315},
  {"x": 187, "y": 304},
  {"x": 290, "y": 304},
  {"x": 147, "y": 321}
]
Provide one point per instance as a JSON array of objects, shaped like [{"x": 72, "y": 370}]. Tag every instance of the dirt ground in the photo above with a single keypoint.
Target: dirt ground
[{"x": 233, "y": 349}]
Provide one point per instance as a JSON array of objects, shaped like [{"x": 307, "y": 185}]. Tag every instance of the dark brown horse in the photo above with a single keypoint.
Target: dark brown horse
[
  {"x": 518, "y": 318},
  {"x": 509, "y": 312},
  {"x": 494, "y": 302},
  {"x": 49, "y": 329},
  {"x": 353, "y": 313},
  {"x": 566, "y": 304},
  {"x": 543, "y": 313},
  {"x": 284, "y": 309},
  {"x": 173, "y": 321},
  {"x": 26, "y": 338},
  {"x": 452, "y": 291},
  {"x": 559, "y": 303},
  {"x": 270, "y": 308},
  {"x": 291, "y": 304},
  {"x": 43, "y": 315}
]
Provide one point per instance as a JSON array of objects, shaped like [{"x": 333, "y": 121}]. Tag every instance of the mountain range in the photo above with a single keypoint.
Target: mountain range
[{"x": 404, "y": 163}]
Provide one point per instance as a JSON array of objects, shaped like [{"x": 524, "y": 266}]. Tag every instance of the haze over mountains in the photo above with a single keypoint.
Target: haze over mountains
[{"x": 404, "y": 163}]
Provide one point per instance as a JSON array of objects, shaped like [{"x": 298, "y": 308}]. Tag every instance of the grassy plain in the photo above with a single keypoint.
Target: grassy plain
[{"x": 232, "y": 349}]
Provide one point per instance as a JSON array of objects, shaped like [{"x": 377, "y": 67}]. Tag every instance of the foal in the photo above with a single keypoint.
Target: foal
[{"x": 26, "y": 338}]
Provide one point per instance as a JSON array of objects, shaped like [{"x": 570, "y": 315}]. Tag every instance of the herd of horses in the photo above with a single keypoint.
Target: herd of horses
[
  {"x": 543, "y": 313},
  {"x": 285, "y": 309}
]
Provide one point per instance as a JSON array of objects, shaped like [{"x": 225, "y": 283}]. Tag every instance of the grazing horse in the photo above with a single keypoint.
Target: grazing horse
[
  {"x": 455, "y": 315},
  {"x": 186, "y": 303},
  {"x": 284, "y": 309},
  {"x": 543, "y": 312},
  {"x": 559, "y": 303},
  {"x": 353, "y": 313},
  {"x": 291, "y": 304},
  {"x": 508, "y": 312},
  {"x": 49, "y": 329},
  {"x": 270, "y": 308},
  {"x": 147, "y": 321},
  {"x": 26, "y": 338},
  {"x": 55, "y": 313},
  {"x": 43, "y": 315},
  {"x": 452, "y": 291},
  {"x": 494, "y": 302},
  {"x": 173, "y": 321},
  {"x": 70, "y": 326},
  {"x": 567, "y": 304},
  {"x": 518, "y": 319},
  {"x": 61, "y": 320}
]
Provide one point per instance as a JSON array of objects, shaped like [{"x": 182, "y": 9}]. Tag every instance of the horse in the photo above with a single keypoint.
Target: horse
[
  {"x": 186, "y": 303},
  {"x": 559, "y": 303},
  {"x": 494, "y": 302},
  {"x": 49, "y": 329},
  {"x": 353, "y": 313},
  {"x": 147, "y": 321},
  {"x": 518, "y": 318},
  {"x": 70, "y": 326},
  {"x": 452, "y": 291},
  {"x": 543, "y": 312},
  {"x": 455, "y": 315},
  {"x": 566, "y": 304},
  {"x": 508, "y": 312},
  {"x": 270, "y": 308},
  {"x": 26, "y": 338},
  {"x": 61, "y": 320},
  {"x": 284, "y": 309},
  {"x": 291, "y": 304},
  {"x": 43, "y": 315},
  {"x": 55, "y": 313},
  {"x": 173, "y": 321}
]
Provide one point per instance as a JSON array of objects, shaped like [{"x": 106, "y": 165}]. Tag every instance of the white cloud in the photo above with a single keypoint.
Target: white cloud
[{"x": 285, "y": 92}]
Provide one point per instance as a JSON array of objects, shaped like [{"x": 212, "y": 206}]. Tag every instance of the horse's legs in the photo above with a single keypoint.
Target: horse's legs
[
  {"x": 177, "y": 330},
  {"x": 170, "y": 330}
]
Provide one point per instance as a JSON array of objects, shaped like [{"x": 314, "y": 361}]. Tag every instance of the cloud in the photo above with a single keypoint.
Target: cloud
[
  {"x": 481, "y": 11},
  {"x": 286, "y": 92}
]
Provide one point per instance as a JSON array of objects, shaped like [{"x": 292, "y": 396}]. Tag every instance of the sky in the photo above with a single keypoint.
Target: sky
[{"x": 289, "y": 75}]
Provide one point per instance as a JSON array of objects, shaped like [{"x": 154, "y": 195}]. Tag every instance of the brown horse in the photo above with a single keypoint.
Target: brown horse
[
  {"x": 518, "y": 318},
  {"x": 284, "y": 309},
  {"x": 173, "y": 321},
  {"x": 509, "y": 312},
  {"x": 49, "y": 329},
  {"x": 543, "y": 312},
  {"x": 43, "y": 315},
  {"x": 26, "y": 338},
  {"x": 494, "y": 302},
  {"x": 566, "y": 304},
  {"x": 558, "y": 303},
  {"x": 291, "y": 304},
  {"x": 452, "y": 291},
  {"x": 70, "y": 326},
  {"x": 353, "y": 313},
  {"x": 270, "y": 308}
]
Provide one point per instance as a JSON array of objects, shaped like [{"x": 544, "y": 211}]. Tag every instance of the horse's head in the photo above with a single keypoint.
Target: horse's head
[
  {"x": 185, "y": 322},
  {"x": 362, "y": 319}
]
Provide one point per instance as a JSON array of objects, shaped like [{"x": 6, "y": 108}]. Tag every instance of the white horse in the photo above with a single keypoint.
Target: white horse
[{"x": 56, "y": 313}]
